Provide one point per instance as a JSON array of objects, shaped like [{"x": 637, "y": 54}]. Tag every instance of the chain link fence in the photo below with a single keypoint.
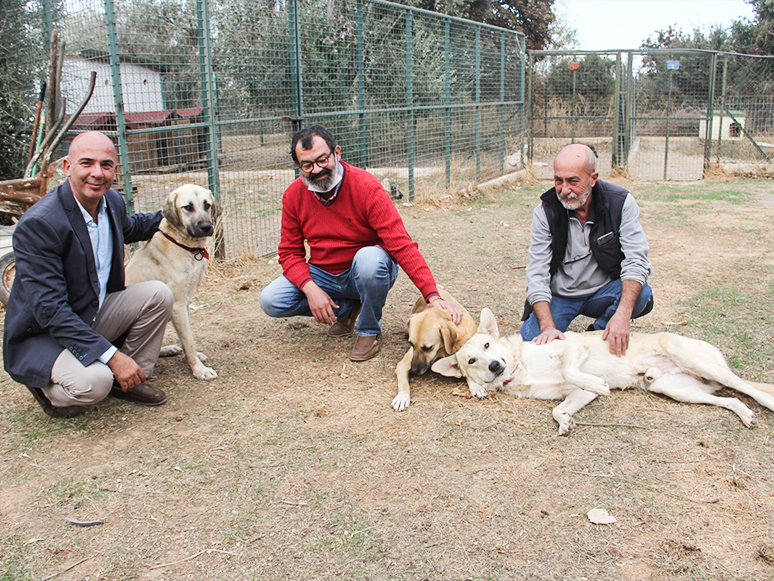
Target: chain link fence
[
  {"x": 210, "y": 92},
  {"x": 657, "y": 114}
]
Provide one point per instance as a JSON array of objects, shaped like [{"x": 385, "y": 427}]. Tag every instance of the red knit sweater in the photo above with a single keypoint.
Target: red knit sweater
[{"x": 361, "y": 215}]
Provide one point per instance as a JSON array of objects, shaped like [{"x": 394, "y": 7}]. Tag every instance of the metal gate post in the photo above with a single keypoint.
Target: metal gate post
[
  {"x": 668, "y": 113},
  {"x": 212, "y": 143},
  {"x": 723, "y": 90},
  {"x": 296, "y": 89},
  {"x": 531, "y": 118},
  {"x": 523, "y": 54},
  {"x": 502, "y": 100},
  {"x": 478, "y": 103},
  {"x": 628, "y": 108},
  {"x": 617, "y": 114},
  {"x": 447, "y": 99},
  {"x": 410, "y": 104},
  {"x": 710, "y": 112},
  {"x": 363, "y": 161},
  {"x": 118, "y": 101}
]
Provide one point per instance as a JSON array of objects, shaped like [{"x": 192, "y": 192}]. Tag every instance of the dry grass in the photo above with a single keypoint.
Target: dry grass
[{"x": 292, "y": 465}]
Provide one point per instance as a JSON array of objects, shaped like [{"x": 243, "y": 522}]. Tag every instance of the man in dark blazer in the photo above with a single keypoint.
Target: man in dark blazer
[{"x": 69, "y": 303}]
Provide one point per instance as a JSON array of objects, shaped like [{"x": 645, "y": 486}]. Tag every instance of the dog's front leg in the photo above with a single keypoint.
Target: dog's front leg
[
  {"x": 564, "y": 412},
  {"x": 403, "y": 399},
  {"x": 181, "y": 320}
]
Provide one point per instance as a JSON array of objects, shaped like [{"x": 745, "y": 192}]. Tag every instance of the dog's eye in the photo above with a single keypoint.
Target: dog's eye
[
  {"x": 427, "y": 348},
  {"x": 486, "y": 345},
  {"x": 471, "y": 361},
  {"x": 207, "y": 205},
  {"x": 188, "y": 207}
]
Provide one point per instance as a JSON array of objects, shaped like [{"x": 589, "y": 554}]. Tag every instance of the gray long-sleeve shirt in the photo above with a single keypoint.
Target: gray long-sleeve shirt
[{"x": 580, "y": 275}]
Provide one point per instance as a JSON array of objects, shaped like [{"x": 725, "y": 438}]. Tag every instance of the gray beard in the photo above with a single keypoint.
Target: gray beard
[
  {"x": 575, "y": 203},
  {"x": 323, "y": 184}
]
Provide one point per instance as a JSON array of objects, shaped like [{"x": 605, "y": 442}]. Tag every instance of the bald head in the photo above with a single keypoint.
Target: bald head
[
  {"x": 90, "y": 140},
  {"x": 578, "y": 155}
]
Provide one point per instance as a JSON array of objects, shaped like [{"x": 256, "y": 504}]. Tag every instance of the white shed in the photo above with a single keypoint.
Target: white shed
[{"x": 724, "y": 126}]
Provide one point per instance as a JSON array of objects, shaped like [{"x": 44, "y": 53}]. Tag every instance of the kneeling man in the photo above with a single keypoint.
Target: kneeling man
[{"x": 588, "y": 255}]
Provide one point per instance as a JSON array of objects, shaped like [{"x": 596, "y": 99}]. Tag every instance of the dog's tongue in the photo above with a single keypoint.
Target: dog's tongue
[{"x": 506, "y": 382}]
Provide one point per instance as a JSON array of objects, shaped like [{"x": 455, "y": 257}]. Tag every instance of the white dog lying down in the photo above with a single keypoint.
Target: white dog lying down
[{"x": 580, "y": 368}]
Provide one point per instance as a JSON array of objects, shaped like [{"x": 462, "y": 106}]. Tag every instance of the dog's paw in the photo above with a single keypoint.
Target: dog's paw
[
  {"x": 204, "y": 373},
  {"x": 201, "y": 356},
  {"x": 478, "y": 391},
  {"x": 598, "y": 386},
  {"x": 170, "y": 351},
  {"x": 566, "y": 423},
  {"x": 401, "y": 402}
]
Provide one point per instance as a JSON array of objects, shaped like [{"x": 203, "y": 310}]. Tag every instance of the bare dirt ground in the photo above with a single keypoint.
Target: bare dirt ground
[{"x": 292, "y": 465}]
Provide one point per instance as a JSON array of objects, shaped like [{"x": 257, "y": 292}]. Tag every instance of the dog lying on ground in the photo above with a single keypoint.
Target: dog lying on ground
[
  {"x": 580, "y": 367},
  {"x": 432, "y": 334},
  {"x": 177, "y": 255}
]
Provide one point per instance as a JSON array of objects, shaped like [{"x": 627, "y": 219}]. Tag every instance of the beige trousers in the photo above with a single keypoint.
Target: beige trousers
[{"x": 141, "y": 311}]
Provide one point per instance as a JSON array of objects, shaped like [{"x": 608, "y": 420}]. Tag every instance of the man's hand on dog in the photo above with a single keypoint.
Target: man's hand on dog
[
  {"x": 125, "y": 371},
  {"x": 617, "y": 332},
  {"x": 456, "y": 313},
  {"x": 320, "y": 304},
  {"x": 547, "y": 336}
]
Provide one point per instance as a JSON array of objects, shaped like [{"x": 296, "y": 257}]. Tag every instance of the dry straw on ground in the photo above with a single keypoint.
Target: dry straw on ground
[{"x": 292, "y": 465}]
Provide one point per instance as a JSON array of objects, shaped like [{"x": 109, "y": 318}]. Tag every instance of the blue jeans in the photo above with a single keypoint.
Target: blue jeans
[
  {"x": 368, "y": 280},
  {"x": 600, "y": 306}
]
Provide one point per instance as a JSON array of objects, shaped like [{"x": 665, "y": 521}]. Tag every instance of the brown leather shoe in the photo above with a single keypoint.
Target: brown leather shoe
[
  {"x": 143, "y": 394},
  {"x": 69, "y": 411},
  {"x": 345, "y": 325},
  {"x": 366, "y": 347}
]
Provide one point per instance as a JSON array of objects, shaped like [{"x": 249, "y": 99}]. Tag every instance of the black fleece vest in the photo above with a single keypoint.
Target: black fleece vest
[
  {"x": 607, "y": 202},
  {"x": 605, "y": 212}
]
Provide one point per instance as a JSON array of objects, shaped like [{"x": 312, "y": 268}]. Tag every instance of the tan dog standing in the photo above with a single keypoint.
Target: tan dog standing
[
  {"x": 432, "y": 335},
  {"x": 177, "y": 255}
]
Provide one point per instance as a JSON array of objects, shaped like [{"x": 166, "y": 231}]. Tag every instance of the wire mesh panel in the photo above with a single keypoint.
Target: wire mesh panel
[
  {"x": 669, "y": 107},
  {"x": 210, "y": 91},
  {"x": 743, "y": 114},
  {"x": 574, "y": 99}
]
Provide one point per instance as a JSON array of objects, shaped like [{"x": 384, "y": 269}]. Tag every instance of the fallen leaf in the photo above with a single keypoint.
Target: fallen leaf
[{"x": 600, "y": 516}]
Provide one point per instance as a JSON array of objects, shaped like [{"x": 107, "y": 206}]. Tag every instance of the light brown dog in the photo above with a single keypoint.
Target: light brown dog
[
  {"x": 432, "y": 335},
  {"x": 177, "y": 255}
]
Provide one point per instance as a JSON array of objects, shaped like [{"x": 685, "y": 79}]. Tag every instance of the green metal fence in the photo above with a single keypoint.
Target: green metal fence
[
  {"x": 657, "y": 114},
  {"x": 210, "y": 91}
]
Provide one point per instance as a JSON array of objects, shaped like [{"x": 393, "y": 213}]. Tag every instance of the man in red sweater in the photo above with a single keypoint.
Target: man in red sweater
[{"x": 356, "y": 240}]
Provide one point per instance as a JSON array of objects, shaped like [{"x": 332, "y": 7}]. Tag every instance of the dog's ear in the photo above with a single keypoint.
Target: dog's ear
[
  {"x": 488, "y": 324},
  {"x": 449, "y": 336},
  {"x": 447, "y": 366},
  {"x": 169, "y": 210}
]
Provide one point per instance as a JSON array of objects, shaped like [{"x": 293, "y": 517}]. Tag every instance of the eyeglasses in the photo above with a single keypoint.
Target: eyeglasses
[{"x": 321, "y": 161}]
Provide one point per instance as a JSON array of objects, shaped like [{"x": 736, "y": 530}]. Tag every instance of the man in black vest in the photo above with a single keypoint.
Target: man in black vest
[{"x": 588, "y": 255}]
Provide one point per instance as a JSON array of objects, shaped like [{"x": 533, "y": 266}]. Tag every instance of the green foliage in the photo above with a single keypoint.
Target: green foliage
[
  {"x": 593, "y": 82},
  {"x": 21, "y": 58},
  {"x": 532, "y": 17}
]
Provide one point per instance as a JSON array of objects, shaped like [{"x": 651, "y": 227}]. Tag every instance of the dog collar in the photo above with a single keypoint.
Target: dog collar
[{"x": 198, "y": 253}]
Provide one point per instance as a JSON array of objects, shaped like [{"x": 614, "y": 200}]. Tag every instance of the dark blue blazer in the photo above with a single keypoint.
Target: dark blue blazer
[{"x": 55, "y": 295}]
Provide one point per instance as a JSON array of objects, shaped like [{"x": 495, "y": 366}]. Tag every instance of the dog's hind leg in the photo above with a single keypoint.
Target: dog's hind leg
[
  {"x": 577, "y": 399},
  {"x": 573, "y": 357},
  {"x": 688, "y": 389},
  {"x": 403, "y": 399}
]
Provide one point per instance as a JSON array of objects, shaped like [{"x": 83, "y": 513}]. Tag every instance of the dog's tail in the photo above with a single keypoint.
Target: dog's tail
[{"x": 764, "y": 387}]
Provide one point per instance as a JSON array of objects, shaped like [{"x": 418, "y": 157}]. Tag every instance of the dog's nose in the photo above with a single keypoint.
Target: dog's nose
[
  {"x": 206, "y": 227},
  {"x": 496, "y": 367}
]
